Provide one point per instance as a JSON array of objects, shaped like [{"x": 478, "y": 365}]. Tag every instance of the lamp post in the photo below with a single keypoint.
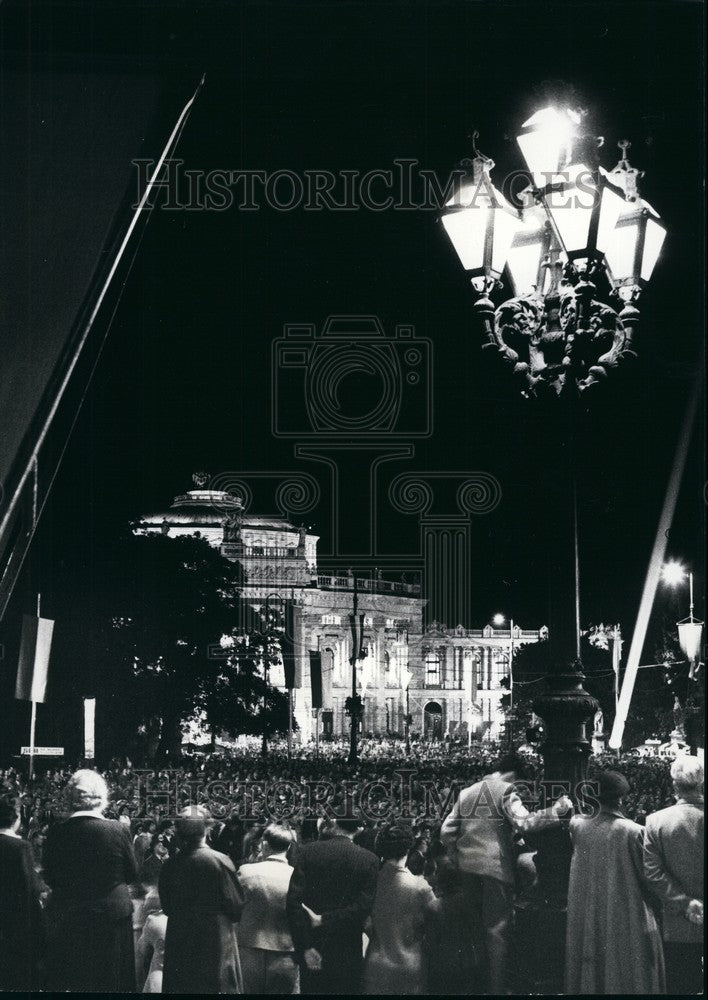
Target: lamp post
[
  {"x": 354, "y": 705},
  {"x": 577, "y": 254},
  {"x": 499, "y": 619},
  {"x": 690, "y": 633}
]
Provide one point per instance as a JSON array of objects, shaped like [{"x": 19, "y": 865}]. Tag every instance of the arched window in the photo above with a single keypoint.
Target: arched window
[{"x": 432, "y": 670}]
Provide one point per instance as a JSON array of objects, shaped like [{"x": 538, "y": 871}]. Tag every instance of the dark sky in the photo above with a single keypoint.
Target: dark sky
[{"x": 185, "y": 380}]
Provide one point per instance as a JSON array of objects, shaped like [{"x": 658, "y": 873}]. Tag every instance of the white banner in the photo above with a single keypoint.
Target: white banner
[
  {"x": 690, "y": 639},
  {"x": 327, "y": 675},
  {"x": 33, "y": 665},
  {"x": 89, "y": 728}
]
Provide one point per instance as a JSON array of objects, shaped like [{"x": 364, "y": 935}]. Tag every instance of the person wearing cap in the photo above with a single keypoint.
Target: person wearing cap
[
  {"x": 673, "y": 864},
  {"x": 613, "y": 943},
  {"x": 202, "y": 899},
  {"x": 89, "y": 865}
]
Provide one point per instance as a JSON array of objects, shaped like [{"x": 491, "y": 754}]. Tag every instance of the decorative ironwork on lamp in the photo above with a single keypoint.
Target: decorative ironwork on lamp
[{"x": 581, "y": 236}]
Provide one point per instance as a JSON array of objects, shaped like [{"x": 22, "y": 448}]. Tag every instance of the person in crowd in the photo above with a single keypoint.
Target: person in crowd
[
  {"x": 152, "y": 865},
  {"x": 89, "y": 864},
  {"x": 150, "y": 950},
  {"x": 418, "y": 853},
  {"x": 330, "y": 896},
  {"x": 613, "y": 943},
  {"x": 454, "y": 938},
  {"x": 124, "y": 816},
  {"x": 265, "y": 942},
  {"x": 202, "y": 899},
  {"x": 478, "y": 835},
  {"x": 394, "y": 959},
  {"x": 166, "y": 829},
  {"x": 673, "y": 864},
  {"x": 21, "y": 924},
  {"x": 143, "y": 840},
  {"x": 251, "y": 845},
  {"x": 229, "y": 840}
]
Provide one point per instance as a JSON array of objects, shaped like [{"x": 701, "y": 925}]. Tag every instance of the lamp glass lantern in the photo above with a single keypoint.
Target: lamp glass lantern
[
  {"x": 584, "y": 209},
  {"x": 547, "y": 146},
  {"x": 533, "y": 251},
  {"x": 481, "y": 225},
  {"x": 635, "y": 246}
]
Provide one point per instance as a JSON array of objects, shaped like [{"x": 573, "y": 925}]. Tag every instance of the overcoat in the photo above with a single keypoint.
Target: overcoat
[
  {"x": 395, "y": 956},
  {"x": 613, "y": 944},
  {"x": 89, "y": 864},
  {"x": 201, "y": 896}
]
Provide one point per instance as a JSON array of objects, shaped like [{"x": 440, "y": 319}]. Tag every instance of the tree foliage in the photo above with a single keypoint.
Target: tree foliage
[{"x": 148, "y": 634}]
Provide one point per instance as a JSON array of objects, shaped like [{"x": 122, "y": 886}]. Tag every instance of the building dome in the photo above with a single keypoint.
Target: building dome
[{"x": 198, "y": 508}]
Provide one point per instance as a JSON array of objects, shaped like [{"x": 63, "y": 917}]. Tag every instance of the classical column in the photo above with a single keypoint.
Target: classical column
[{"x": 446, "y": 545}]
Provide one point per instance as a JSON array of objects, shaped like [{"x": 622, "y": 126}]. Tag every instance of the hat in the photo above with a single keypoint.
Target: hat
[{"x": 612, "y": 786}]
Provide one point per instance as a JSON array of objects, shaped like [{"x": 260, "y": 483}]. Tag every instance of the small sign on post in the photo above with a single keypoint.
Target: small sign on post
[{"x": 42, "y": 751}]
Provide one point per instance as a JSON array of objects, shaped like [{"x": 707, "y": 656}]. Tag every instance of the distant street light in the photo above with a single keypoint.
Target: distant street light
[
  {"x": 673, "y": 574},
  {"x": 690, "y": 630},
  {"x": 500, "y": 620}
]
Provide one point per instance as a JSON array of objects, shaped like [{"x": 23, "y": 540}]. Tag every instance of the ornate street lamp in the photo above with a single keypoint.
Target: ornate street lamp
[
  {"x": 582, "y": 239},
  {"x": 562, "y": 311},
  {"x": 690, "y": 634}
]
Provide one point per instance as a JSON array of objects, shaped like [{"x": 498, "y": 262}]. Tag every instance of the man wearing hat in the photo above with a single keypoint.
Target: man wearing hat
[
  {"x": 613, "y": 943},
  {"x": 673, "y": 864},
  {"x": 201, "y": 896}
]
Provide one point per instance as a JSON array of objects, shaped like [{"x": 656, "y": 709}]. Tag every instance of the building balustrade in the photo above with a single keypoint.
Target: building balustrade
[
  {"x": 268, "y": 552},
  {"x": 367, "y": 585}
]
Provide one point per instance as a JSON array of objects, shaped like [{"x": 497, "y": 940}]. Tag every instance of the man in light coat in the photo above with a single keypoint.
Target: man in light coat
[
  {"x": 673, "y": 865},
  {"x": 613, "y": 944},
  {"x": 265, "y": 942},
  {"x": 478, "y": 836}
]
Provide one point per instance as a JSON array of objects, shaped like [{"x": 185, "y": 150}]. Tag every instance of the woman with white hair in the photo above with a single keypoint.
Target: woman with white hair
[{"x": 89, "y": 864}]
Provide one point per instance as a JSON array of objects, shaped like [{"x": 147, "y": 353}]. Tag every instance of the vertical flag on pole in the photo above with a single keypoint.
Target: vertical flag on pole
[
  {"x": 289, "y": 650},
  {"x": 89, "y": 728},
  {"x": 316, "y": 678},
  {"x": 327, "y": 674},
  {"x": 33, "y": 664}
]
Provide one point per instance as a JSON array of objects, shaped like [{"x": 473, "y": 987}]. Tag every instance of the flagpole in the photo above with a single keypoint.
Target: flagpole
[{"x": 33, "y": 715}]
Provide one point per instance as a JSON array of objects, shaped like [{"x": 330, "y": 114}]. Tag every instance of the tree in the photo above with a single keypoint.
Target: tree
[
  {"x": 243, "y": 698},
  {"x": 148, "y": 632}
]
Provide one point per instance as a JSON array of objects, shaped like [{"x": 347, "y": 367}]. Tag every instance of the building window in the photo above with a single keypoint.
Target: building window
[
  {"x": 368, "y": 621},
  {"x": 432, "y": 670},
  {"x": 500, "y": 668},
  {"x": 457, "y": 675},
  {"x": 331, "y": 619}
]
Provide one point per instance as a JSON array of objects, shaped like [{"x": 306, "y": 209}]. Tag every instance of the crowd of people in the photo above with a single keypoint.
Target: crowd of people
[{"x": 400, "y": 875}]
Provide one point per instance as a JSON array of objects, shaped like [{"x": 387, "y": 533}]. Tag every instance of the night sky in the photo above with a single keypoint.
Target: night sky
[{"x": 184, "y": 383}]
